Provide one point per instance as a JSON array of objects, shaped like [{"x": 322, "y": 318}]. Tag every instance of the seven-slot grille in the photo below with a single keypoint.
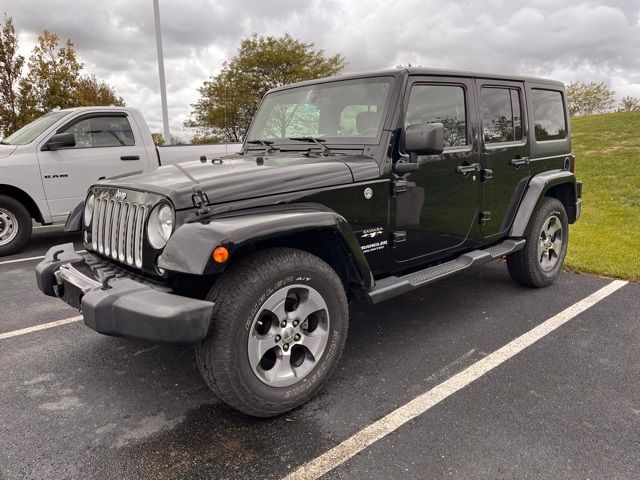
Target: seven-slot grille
[{"x": 118, "y": 229}]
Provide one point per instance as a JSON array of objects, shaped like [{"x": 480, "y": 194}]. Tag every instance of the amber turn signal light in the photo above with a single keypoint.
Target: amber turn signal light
[{"x": 220, "y": 254}]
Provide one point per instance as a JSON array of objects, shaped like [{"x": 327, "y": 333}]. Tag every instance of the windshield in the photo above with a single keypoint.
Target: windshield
[
  {"x": 30, "y": 132},
  {"x": 342, "y": 112}
]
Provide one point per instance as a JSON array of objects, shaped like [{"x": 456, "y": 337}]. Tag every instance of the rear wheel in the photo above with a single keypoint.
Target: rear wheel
[
  {"x": 540, "y": 262},
  {"x": 278, "y": 329},
  {"x": 15, "y": 225}
]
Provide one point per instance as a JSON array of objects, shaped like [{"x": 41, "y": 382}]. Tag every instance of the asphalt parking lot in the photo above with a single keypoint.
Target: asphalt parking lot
[{"x": 75, "y": 404}]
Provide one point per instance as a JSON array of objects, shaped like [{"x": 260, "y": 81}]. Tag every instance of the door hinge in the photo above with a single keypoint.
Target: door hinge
[
  {"x": 399, "y": 186},
  {"x": 398, "y": 237},
  {"x": 485, "y": 217},
  {"x": 486, "y": 174}
]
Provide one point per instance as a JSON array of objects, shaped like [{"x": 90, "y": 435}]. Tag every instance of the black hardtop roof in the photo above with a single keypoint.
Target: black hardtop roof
[{"x": 424, "y": 71}]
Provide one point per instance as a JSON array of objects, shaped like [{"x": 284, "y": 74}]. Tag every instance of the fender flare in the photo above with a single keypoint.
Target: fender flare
[
  {"x": 539, "y": 185},
  {"x": 190, "y": 248},
  {"x": 74, "y": 220}
]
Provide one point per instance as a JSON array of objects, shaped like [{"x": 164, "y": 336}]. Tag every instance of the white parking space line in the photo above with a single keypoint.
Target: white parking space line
[
  {"x": 379, "y": 429},
  {"x": 37, "y": 328},
  {"x": 30, "y": 258}
]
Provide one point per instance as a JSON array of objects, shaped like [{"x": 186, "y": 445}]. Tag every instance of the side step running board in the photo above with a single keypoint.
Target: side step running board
[{"x": 389, "y": 287}]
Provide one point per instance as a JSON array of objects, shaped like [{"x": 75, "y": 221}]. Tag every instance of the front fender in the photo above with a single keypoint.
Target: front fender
[
  {"x": 190, "y": 248},
  {"x": 539, "y": 185}
]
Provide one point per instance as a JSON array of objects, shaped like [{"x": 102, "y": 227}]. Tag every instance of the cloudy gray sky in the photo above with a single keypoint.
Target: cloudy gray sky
[{"x": 565, "y": 40}]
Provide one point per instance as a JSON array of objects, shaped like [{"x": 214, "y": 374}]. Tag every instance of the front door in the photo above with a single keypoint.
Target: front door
[
  {"x": 105, "y": 146},
  {"x": 436, "y": 209},
  {"x": 505, "y": 154}
]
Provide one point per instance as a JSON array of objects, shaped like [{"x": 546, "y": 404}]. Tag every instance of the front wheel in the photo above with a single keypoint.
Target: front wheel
[
  {"x": 15, "y": 225},
  {"x": 540, "y": 262},
  {"x": 277, "y": 332}
]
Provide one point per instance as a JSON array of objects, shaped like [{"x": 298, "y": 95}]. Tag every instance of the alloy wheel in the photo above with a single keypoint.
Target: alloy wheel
[
  {"x": 550, "y": 243},
  {"x": 288, "y": 335}
]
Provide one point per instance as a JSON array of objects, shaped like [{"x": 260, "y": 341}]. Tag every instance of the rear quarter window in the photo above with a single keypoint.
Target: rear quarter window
[{"x": 548, "y": 115}]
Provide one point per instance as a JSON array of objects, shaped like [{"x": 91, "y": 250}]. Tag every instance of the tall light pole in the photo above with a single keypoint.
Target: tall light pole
[{"x": 163, "y": 87}]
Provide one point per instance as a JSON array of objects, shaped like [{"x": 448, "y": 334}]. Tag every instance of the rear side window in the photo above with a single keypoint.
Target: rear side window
[
  {"x": 501, "y": 114},
  {"x": 108, "y": 131},
  {"x": 548, "y": 115},
  {"x": 439, "y": 104}
]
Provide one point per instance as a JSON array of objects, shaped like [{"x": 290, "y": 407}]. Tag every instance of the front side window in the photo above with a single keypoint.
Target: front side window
[
  {"x": 347, "y": 111},
  {"x": 439, "y": 104},
  {"x": 107, "y": 131},
  {"x": 501, "y": 114},
  {"x": 548, "y": 115}
]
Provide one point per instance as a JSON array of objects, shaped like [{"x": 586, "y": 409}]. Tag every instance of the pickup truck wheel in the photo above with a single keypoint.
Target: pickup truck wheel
[
  {"x": 539, "y": 263},
  {"x": 15, "y": 225},
  {"x": 277, "y": 332}
]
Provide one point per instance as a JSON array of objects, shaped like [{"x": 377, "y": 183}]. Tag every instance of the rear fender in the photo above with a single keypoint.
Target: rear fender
[
  {"x": 541, "y": 185},
  {"x": 190, "y": 248}
]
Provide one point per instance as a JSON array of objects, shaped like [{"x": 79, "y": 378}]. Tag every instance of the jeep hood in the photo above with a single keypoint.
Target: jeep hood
[{"x": 239, "y": 177}]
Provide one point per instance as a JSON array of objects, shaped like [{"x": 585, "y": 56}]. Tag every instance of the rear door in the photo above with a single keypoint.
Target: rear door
[
  {"x": 106, "y": 145},
  {"x": 505, "y": 154},
  {"x": 437, "y": 207}
]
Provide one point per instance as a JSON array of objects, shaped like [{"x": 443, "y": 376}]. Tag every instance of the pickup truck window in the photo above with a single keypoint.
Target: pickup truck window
[
  {"x": 439, "y": 104},
  {"x": 31, "y": 131},
  {"x": 347, "y": 111},
  {"x": 107, "y": 131},
  {"x": 501, "y": 114},
  {"x": 548, "y": 115}
]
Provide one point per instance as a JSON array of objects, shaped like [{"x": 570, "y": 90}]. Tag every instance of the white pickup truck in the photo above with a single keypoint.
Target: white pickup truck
[{"x": 47, "y": 166}]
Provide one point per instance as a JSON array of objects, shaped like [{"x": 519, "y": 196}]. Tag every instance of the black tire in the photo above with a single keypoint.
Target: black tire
[
  {"x": 13, "y": 215},
  {"x": 239, "y": 295},
  {"x": 527, "y": 266}
]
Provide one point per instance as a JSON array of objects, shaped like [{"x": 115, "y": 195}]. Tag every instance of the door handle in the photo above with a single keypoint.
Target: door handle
[
  {"x": 130, "y": 157},
  {"x": 518, "y": 161},
  {"x": 465, "y": 169}
]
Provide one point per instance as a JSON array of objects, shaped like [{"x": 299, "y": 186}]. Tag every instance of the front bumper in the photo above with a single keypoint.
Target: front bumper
[{"x": 117, "y": 303}]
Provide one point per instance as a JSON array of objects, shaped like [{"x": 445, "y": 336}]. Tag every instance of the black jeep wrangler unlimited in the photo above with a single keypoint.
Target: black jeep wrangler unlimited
[{"x": 356, "y": 187}]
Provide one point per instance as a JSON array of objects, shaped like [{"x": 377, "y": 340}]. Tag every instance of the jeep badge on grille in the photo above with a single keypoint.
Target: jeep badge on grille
[{"x": 120, "y": 195}]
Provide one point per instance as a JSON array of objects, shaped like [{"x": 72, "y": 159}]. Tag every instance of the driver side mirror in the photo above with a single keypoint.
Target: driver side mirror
[
  {"x": 61, "y": 140},
  {"x": 423, "y": 139}
]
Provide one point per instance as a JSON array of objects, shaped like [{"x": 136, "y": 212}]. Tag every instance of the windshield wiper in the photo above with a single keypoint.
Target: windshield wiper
[
  {"x": 316, "y": 140},
  {"x": 4, "y": 142},
  {"x": 265, "y": 143}
]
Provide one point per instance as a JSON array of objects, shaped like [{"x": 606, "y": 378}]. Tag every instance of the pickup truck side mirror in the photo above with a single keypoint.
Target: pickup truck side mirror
[
  {"x": 61, "y": 140},
  {"x": 423, "y": 139}
]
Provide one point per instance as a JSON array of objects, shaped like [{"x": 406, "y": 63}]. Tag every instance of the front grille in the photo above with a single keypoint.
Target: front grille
[{"x": 118, "y": 229}]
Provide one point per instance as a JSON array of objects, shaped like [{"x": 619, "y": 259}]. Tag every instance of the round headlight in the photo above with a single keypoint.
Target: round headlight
[
  {"x": 88, "y": 209},
  {"x": 160, "y": 225}
]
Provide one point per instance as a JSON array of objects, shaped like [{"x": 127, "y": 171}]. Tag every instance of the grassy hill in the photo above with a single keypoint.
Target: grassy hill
[{"x": 606, "y": 239}]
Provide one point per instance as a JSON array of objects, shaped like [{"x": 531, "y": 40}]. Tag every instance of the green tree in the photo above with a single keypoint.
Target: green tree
[
  {"x": 589, "y": 98},
  {"x": 92, "y": 91},
  {"x": 158, "y": 139},
  {"x": 196, "y": 140},
  {"x": 229, "y": 100},
  {"x": 54, "y": 72},
  {"x": 54, "y": 79},
  {"x": 629, "y": 104},
  {"x": 11, "y": 64}
]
